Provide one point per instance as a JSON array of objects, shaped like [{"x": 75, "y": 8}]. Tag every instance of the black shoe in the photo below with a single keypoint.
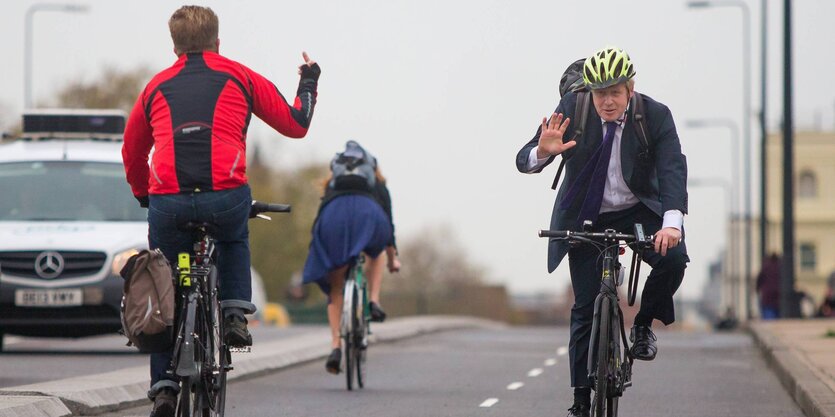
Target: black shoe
[
  {"x": 165, "y": 403},
  {"x": 578, "y": 410},
  {"x": 643, "y": 339},
  {"x": 235, "y": 333},
  {"x": 332, "y": 365},
  {"x": 377, "y": 313}
]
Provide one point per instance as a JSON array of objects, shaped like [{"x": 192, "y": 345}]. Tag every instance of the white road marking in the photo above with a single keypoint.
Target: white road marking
[
  {"x": 514, "y": 386},
  {"x": 550, "y": 362},
  {"x": 11, "y": 340},
  {"x": 535, "y": 372},
  {"x": 562, "y": 350},
  {"x": 489, "y": 402}
]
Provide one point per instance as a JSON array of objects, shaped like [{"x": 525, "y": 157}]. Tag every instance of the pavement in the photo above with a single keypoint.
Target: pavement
[
  {"x": 802, "y": 355},
  {"x": 111, "y": 391}
]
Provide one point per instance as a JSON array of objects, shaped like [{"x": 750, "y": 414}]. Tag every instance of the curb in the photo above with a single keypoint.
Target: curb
[
  {"x": 32, "y": 406},
  {"x": 125, "y": 388},
  {"x": 814, "y": 397}
]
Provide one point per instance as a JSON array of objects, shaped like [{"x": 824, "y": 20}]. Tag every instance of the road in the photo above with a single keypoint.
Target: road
[
  {"x": 519, "y": 372},
  {"x": 27, "y": 360}
]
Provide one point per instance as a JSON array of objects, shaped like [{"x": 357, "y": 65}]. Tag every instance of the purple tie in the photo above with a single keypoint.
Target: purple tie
[{"x": 592, "y": 179}]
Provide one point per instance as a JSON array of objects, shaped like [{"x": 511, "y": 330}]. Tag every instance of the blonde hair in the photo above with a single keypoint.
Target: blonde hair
[{"x": 193, "y": 29}]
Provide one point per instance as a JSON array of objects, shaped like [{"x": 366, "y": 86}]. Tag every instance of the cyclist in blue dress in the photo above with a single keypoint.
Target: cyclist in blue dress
[{"x": 354, "y": 218}]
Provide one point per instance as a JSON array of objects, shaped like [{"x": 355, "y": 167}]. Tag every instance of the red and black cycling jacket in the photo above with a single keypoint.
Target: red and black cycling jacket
[{"x": 195, "y": 115}]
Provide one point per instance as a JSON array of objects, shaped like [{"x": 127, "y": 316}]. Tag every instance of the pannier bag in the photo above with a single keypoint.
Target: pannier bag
[{"x": 147, "y": 309}]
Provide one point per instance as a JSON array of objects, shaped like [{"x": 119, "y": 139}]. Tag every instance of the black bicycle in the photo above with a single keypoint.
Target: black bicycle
[
  {"x": 201, "y": 359},
  {"x": 609, "y": 366},
  {"x": 354, "y": 326}
]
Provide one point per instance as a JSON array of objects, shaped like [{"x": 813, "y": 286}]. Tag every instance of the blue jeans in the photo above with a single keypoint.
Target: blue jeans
[
  {"x": 228, "y": 211},
  {"x": 769, "y": 313}
]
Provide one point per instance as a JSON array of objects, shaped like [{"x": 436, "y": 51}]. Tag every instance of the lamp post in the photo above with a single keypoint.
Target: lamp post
[
  {"x": 763, "y": 130},
  {"x": 727, "y": 268},
  {"x": 27, "y": 41},
  {"x": 733, "y": 201},
  {"x": 746, "y": 126}
]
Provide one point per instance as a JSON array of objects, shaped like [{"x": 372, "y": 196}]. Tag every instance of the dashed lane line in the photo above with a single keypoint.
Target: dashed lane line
[
  {"x": 562, "y": 350},
  {"x": 514, "y": 386},
  {"x": 535, "y": 372},
  {"x": 489, "y": 402},
  {"x": 550, "y": 362}
]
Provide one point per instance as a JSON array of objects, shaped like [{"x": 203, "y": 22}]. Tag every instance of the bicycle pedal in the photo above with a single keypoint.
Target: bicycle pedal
[{"x": 242, "y": 349}]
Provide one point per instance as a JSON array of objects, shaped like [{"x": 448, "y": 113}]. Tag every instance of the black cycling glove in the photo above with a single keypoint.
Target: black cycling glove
[
  {"x": 144, "y": 201},
  {"x": 311, "y": 71},
  {"x": 309, "y": 79}
]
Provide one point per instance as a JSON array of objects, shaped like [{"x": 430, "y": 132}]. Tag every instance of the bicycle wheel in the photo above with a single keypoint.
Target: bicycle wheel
[
  {"x": 601, "y": 380},
  {"x": 348, "y": 331},
  {"x": 217, "y": 356},
  {"x": 614, "y": 364},
  {"x": 361, "y": 339},
  {"x": 188, "y": 361}
]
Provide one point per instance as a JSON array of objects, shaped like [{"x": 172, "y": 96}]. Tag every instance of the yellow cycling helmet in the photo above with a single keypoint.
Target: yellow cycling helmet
[{"x": 607, "y": 67}]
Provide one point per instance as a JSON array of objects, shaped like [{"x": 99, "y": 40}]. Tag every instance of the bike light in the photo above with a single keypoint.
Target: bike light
[{"x": 121, "y": 258}]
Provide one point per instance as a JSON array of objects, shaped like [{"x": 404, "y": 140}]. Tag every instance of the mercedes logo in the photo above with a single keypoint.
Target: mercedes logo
[{"x": 49, "y": 265}]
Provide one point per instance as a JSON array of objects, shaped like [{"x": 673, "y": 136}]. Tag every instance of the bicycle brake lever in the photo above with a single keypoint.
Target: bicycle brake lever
[{"x": 263, "y": 216}]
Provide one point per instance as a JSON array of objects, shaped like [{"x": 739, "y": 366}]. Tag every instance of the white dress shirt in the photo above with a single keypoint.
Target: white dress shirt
[{"x": 616, "y": 194}]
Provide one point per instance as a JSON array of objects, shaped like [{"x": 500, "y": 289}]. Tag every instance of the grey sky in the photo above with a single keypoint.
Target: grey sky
[{"x": 445, "y": 93}]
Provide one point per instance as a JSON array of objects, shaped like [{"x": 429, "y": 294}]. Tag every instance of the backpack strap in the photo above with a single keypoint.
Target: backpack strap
[
  {"x": 636, "y": 103},
  {"x": 581, "y": 109}
]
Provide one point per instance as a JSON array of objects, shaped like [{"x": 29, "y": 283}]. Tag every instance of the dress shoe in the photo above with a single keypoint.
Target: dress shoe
[
  {"x": 165, "y": 403},
  {"x": 578, "y": 410},
  {"x": 643, "y": 343}
]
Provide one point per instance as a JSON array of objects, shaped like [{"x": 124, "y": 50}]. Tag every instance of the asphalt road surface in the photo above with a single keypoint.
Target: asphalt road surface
[
  {"x": 518, "y": 372},
  {"x": 27, "y": 360}
]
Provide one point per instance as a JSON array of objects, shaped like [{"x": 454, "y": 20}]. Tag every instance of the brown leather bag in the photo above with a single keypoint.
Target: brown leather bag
[{"x": 147, "y": 308}]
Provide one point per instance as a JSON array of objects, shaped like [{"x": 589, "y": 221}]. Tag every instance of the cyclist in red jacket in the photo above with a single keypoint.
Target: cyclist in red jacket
[{"x": 195, "y": 116}]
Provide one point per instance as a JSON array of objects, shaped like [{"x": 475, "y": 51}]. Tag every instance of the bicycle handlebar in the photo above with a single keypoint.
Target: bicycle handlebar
[
  {"x": 259, "y": 207},
  {"x": 596, "y": 236}
]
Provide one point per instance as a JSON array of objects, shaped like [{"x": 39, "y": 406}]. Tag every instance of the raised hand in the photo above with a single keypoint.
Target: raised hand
[
  {"x": 310, "y": 69},
  {"x": 551, "y": 136}
]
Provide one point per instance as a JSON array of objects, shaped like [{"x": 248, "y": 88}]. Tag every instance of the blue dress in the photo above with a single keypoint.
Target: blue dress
[{"x": 347, "y": 226}]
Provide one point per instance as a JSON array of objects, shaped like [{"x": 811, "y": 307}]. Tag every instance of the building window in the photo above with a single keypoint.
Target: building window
[
  {"x": 808, "y": 185},
  {"x": 808, "y": 257}
]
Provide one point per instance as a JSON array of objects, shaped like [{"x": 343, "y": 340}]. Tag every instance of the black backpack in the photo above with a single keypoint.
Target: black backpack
[
  {"x": 571, "y": 81},
  {"x": 353, "y": 169}
]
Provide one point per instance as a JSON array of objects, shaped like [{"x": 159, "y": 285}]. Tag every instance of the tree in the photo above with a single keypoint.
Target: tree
[
  {"x": 113, "y": 89},
  {"x": 279, "y": 247}
]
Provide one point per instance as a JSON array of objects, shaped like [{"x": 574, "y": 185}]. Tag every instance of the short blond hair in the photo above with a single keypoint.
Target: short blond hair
[{"x": 193, "y": 29}]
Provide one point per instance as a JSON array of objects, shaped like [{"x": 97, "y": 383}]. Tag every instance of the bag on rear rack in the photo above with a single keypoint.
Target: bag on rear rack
[{"x": 147, "y": 309}]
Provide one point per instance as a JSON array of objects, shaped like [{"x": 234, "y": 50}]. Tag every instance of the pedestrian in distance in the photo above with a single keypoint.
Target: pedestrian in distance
[
  {"x": 768, "y": 288},
  {"x": 195, "y": 116},
  {"x": 354, "y": 218},
  {"x": 611, "y": 181}
]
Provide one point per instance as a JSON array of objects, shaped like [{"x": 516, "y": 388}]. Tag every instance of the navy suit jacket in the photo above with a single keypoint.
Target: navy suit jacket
[{"x": 663, "y": 188}]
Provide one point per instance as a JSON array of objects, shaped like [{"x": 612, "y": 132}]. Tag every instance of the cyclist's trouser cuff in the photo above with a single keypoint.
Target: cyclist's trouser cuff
[
  {"x": 246, "y": 306},
  {"x": 163, "y": 383}
]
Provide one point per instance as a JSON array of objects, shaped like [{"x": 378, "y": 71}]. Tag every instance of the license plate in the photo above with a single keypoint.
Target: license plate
[{"x": 48, "y": 298}]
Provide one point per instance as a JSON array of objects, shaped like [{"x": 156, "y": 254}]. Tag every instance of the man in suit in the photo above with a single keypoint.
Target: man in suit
[{"x": 609, "y": 182}]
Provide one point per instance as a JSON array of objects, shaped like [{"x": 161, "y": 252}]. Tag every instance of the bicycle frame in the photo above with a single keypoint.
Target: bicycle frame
[
  {"x": 611, "y": 280},
  {"x": 199, "y": 338},
  {"x": 609, "y": 366}
]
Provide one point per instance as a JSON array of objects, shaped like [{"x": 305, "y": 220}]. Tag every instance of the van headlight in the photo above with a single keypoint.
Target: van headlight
[{"x": 121, "y": 258}]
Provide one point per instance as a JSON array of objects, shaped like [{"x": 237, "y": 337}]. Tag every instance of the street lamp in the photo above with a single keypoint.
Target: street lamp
[
  {"x": 27, "y": 41},
  {"x": 746, "y": 122},
  {"x": 733, "y": 201},
  {"x": 727, "y": 269}
]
